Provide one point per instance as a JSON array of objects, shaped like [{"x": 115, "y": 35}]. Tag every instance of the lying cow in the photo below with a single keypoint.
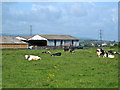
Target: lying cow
[
  {"x": 48, "y": 52},
  {"x": 109, "y": 56},
  {"x": 112, "y": 52},
  {"x": 32, "y": 57},
  {"x": 56, "y": 54},
  {"x": 100, "y": 52},
  {"x": 72, "y": 51}
]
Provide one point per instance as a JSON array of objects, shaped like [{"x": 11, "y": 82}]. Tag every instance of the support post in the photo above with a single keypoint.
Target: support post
[{"x": 72, "y": 42}]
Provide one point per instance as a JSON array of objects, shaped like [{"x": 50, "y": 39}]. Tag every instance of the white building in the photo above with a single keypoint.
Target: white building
[
  {"x": 104, "y": 44},
  {"x": 50, "y": 40}
]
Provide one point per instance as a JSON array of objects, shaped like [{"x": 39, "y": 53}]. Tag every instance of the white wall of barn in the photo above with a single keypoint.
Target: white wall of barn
[
  {"x": 50, "y": 42},
  {"x": 76, "y": 43},
  {"x": 67, "y": 43},
  {"x": 64, "y": 43},
  {"x": 57, "y": 42}
]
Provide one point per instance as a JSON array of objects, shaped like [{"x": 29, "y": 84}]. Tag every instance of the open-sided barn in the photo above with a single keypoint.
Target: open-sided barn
[
  {"x": 8, "y": 42},
  {"x": 51, "y": 40}
]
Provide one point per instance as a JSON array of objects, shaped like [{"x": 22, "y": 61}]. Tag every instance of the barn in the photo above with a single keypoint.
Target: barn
[
  {"x": 8, "y": 42},
  {"x": 51, "y": 40}
]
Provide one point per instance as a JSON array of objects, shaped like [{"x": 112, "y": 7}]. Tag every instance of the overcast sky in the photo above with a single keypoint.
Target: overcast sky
[{"x": 80, "y": 19}]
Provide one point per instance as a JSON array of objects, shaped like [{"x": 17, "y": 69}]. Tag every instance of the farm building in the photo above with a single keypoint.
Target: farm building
[
  {"x": 8, "y": 42},
  {"x": 51, "y": 40},
  {"x": 24, "y": 38}
]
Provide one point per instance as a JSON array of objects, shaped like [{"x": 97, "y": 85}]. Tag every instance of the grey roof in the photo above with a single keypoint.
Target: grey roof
[
  {"x": 10, "y": 40},
  {"x": 58, "y": 37}
]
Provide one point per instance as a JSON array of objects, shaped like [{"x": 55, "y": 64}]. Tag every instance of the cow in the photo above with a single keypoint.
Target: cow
[
  {"x": 48, "y": 52},
  {"x": 66, "y": 49},
  {"x": 112, "y": 52},
  {"x": 32, "y": 57},
  {"x": 56, "y": 54},
  {"x": 100, "y": 52},
  {"x": 109, "y": 56},
  {"x": 72, "y": 51},
  {"x": 103, "y": 52}
]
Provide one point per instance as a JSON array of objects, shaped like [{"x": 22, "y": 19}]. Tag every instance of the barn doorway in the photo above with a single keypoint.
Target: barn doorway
[{"x": 38, "y": 42}]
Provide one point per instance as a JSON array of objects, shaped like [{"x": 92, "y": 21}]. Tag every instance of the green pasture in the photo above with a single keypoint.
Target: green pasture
[{"x": 80, "y": 70}]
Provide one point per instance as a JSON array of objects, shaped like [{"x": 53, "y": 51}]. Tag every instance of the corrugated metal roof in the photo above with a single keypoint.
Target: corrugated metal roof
[
  {"x": 58, "y": 37},
  {"x": 10, "y": 40},
  {"x": 48, "y": 37}
]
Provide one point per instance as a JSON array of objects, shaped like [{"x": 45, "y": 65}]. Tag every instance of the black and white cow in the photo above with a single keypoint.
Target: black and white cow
[
  {"x": 105, "y": 54},
  {"x": 56, "y": 54},
  {"x": 100, "y": 52},
  {"x": 113, "y": 52},
  {"x": 109, "y": 56},
  {"x": 32, "y": 57},
  {"x": 66, "y": 49},
  {"x": 48, "y": 52},
  {"x": 72, "y": 51}
]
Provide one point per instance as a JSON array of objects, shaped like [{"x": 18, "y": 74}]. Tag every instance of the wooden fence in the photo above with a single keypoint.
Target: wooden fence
[{"x": 13, "y": 46}]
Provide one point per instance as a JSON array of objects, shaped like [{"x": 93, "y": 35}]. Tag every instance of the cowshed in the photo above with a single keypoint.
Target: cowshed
[{"x": 51, "y": 40}]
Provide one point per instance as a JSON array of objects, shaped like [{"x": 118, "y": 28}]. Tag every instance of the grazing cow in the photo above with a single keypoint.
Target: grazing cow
[
  {"x": 66, "y": 49},
  {"x": 56, "y": 54},
  {"x": 100, "y": 52},
  {"x": 48, "y": 52},
  {"x": 109, "y": 56},
  {"x": 32, "y": 57}
]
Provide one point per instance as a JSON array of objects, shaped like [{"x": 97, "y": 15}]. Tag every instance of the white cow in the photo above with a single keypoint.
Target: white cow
[{"x": 32, "y": 57}]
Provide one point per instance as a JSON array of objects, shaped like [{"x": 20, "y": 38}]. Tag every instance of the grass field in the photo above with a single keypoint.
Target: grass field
[{"x": 80, "y": 70}]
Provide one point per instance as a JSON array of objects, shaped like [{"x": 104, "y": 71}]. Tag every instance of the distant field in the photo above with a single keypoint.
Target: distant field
[{"x": 80, "y": 70}]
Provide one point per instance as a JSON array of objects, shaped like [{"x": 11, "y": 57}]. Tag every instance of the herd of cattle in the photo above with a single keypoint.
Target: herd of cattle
[
  {"x": 100, "y": 52},
  {"x": 32, "y": 57}
]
